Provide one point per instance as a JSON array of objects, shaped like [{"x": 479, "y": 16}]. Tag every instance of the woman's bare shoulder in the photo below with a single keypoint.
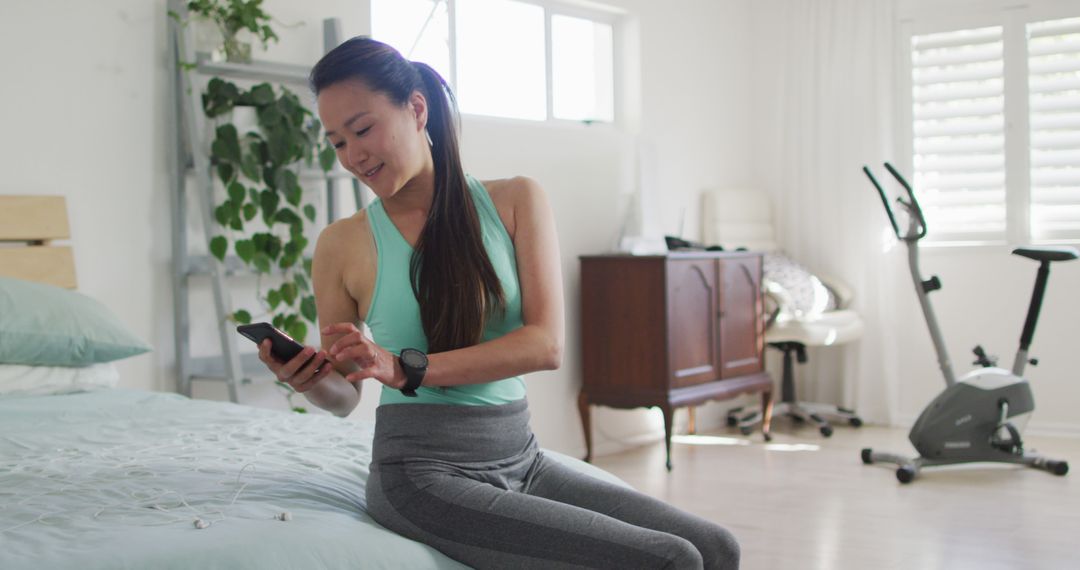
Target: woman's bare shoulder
[
  {"x": 510, "y": 189},
  {"x": 345, "y": 235},
  {"x": 513, "y": 198}
]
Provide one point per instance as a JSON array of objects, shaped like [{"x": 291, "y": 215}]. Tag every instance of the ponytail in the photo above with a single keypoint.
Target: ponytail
[{"x": 452, "y": 277}]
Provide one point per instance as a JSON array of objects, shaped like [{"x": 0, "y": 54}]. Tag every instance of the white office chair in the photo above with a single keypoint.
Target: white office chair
[{"x": 802, "y": 309}]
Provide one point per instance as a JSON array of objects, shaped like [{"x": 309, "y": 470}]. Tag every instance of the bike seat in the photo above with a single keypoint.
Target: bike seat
[{"x": 1047, "y": 253}]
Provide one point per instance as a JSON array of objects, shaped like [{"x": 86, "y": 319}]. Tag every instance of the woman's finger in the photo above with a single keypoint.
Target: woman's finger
[
  {"x": 351, "y": 339},
  {"x": 317, "y": 369},
  {"x": 363, "y": 354},
  {"x": 290, "y": 368}
]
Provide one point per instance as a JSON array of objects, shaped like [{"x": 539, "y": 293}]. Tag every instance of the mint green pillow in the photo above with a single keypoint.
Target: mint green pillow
[{"x": 49, "y": 326}]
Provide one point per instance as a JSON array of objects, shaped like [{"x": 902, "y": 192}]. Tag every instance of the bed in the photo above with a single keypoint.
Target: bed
[{"x": 96, "y": 476}]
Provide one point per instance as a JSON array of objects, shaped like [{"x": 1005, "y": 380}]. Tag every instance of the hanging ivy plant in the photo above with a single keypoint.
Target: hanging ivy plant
[{"x": 260, "y": 172}]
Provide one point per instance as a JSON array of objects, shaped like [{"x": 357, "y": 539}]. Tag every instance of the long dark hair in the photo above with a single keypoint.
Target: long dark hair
[{"x": 451, "y": 275}]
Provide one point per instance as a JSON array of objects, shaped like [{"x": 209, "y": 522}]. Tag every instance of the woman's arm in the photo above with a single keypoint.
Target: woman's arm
[
  {"x": 334, "y": 304},
  {"x": 537, "y": 345}
]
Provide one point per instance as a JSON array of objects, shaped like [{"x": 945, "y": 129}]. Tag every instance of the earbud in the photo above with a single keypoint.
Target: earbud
[
  {"x": 285, "y": 517},
  {"x": 201, "y": 524}
]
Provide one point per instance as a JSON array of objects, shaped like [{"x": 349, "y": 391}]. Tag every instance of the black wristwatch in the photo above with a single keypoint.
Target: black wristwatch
[{"x": 414, "y": 363}]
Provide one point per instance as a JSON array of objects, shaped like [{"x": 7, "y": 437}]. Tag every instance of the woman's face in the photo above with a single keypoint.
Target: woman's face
[{"x": 381, "y": 143}]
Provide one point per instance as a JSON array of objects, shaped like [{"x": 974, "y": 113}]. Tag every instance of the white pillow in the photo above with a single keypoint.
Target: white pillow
[
  {"x": 17, "y": 380},
  {"x": 807, "y": 294}
]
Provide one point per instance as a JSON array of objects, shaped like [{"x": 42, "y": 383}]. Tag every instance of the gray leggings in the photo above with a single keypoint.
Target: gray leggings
[{"x": 471, "y": 482}]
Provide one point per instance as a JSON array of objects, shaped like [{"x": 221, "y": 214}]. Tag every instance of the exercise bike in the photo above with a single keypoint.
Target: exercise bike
[{"x": 975, "y": 418}]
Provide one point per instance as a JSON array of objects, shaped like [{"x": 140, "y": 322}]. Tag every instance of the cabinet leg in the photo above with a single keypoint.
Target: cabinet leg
[
  {"x": 766, "y": 414},
  {"x": 692, "y": 424},
  {"x": 669, "y": 417},
  {"x": 586, "y": 423}
]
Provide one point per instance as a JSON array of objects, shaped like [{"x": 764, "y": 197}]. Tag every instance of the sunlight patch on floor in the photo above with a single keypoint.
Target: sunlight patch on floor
[
  {"x": 708, "y": 440},
  {"x": 791, "y": 447}
]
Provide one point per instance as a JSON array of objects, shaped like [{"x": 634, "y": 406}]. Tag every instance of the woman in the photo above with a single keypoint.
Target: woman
[{"x": 459, "y": 282}]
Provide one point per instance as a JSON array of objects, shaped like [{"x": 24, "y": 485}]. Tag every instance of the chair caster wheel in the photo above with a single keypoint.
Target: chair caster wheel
[
  {"x": 867, "y": 456},
  {"x": 732, "y": 421},
  {"x": 855, "y": 422},
  {"x": 826, "y": 431},
  {"x": 746, "y": 430},
  {"x": 1058, "y": 467},
  {"x": 905, "y": 474},
  {"x": 768, "y": 436}
]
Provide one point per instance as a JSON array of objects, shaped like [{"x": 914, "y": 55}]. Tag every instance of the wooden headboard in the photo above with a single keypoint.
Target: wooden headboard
[{"x": 28, "y": 225}]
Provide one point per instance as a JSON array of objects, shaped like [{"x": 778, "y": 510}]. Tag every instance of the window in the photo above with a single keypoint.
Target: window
[
  {"x": 995, "y": 131},
  {"x": 541, "y": 61},
  {"x": 1054, "y": 99}
]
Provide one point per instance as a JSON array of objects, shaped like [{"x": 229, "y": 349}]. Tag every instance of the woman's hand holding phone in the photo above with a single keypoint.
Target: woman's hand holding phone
[{"x": 302, "y": 371}]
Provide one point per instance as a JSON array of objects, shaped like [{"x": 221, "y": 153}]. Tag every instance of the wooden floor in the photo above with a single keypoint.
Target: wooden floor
[{"x": 807, "y": 502}]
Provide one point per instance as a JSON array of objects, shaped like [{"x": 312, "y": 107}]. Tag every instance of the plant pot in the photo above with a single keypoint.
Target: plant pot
[{"x": 237, "y": 51}]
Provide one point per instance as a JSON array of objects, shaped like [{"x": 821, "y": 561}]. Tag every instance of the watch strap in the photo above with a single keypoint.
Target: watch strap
[{"x": 413, "y": 378}]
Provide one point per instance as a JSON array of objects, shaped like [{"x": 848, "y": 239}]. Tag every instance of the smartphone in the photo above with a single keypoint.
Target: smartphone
[{"x": 282, "y": 346}]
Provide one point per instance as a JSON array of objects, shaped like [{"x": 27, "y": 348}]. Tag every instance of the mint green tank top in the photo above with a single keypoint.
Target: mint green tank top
[{"x": 394, "y": 315}]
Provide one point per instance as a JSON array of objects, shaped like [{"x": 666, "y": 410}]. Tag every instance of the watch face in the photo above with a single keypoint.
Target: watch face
[{"x": 413, "y": 358}]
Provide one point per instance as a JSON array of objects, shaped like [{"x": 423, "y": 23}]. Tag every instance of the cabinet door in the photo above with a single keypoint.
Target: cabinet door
[
  {"x": 692, "y": 314},
  {"x": 742, "y": 333}
]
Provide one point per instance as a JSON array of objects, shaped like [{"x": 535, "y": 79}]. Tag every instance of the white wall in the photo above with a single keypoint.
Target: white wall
[{"x": 85, "y": 106}]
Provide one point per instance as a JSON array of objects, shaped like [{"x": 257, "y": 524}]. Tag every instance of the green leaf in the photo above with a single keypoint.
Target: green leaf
[
  {"x": 288, "y": 293},
  {"x": 274, "y": 298},
  {"x": 226, "y": 144},
  {"x": 245, "y": 249},
  {"x": 287, "y": 261},
  {"x": 307, "y": 266},
  {"x": 309, "y": 212},
  {"x": 237, "y": 192},
  {"x": 262, "y": 94},
  {"x": 235, "y": 222},
  {"x": 326, "y": 157},
  {"x": 307, "y": 308},
  {"x": 249, "y": 165},
  {"x": 279, "y": 321},
  {"x": 291, "y": 185},
  {"x": 223, "y": 213},
  {"x": 287, "y": 216},
  {"x": 270, "y": 175},
  {"x": 220, "y": 97},
  {"x": 218, "y": 246},
  {"x": 269, "y": 200},
  {"x": 297, "y": 329},
  {"x": 243, "y": 317},
  {"x": 267, "y": 243},
  {"x": 250, "y": 211},
  {"x": 301, "y": 282},
  {"x": 261, "y": 262},
  {"x": 278, "y": 143},
  {"x": 225, "y": 172},
  {"x": 299, "y": 410}
]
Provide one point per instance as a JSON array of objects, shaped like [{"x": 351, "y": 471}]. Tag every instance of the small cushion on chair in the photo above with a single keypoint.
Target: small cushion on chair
[{"x": 806, "y": 292}]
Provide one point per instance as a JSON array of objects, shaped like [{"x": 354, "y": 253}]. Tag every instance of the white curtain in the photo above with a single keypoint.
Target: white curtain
[{"x": 823, "y": 85}]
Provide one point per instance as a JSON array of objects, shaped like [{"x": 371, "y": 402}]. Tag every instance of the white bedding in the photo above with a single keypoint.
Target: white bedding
[{"x": 117, "y": 479}]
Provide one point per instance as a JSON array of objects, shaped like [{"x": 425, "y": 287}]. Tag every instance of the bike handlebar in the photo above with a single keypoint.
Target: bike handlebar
[{"x": 912, "y": 207}]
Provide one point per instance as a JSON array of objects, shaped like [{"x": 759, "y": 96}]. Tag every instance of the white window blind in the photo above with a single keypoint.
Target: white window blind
[
  {"x": 1054, "y": 103},
  {"x": 959, "y": 133}
]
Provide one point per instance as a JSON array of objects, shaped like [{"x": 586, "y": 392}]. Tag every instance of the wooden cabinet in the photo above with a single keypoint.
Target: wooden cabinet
[{"x": 670, "y": 331}]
